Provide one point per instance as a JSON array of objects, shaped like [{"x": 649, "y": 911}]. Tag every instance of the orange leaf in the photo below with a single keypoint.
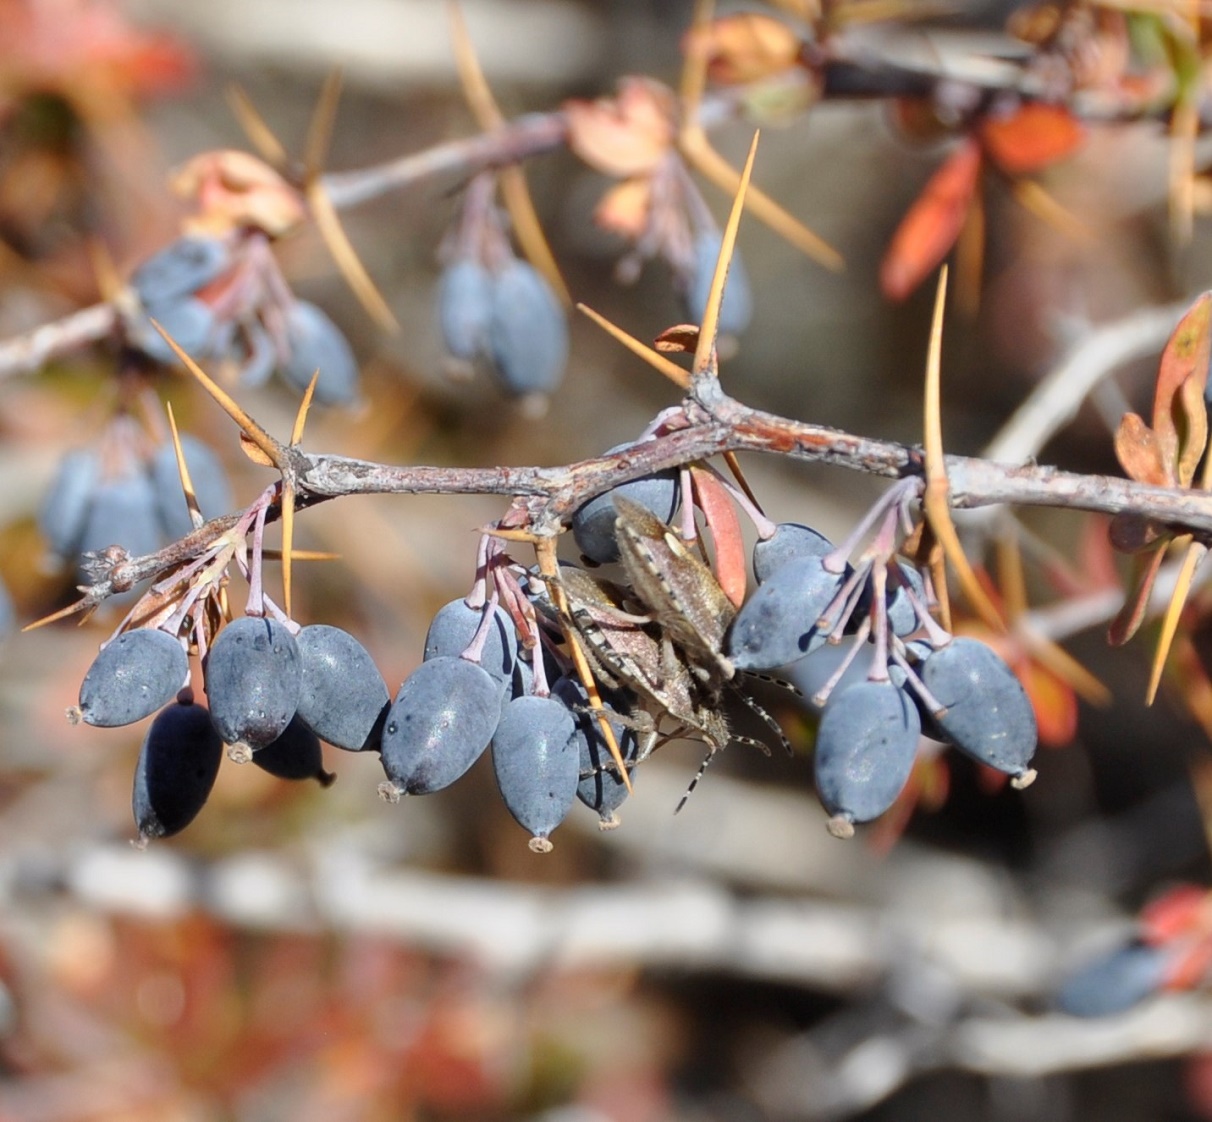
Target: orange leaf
[
  {"x": 1185, "y": 356},
  {"x": 623, "y": 210},
  {"x": 929, "y": 229},
  {"x": 1031, "y": 138},
  {"x": 1138, "y": 452},
  {"x": 744, "y": 48},
  {"x": 1185, "y": 359},
  {"x": 627, "y": 135},
  {"x": 713, "y": 499},
  {"x": 1191, "y": 419},
  {"x": 1055, "y": 704}
]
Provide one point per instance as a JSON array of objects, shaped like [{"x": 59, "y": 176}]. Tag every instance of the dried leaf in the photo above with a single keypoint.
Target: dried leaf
[
  {"x": 681, "y": 339},
  {"x": 253, "y": 452},
  {"x": 1139, "y": 454},
  {"x": 744, "y": 48},
  {"x": 1031, "y": 138},
  {"x": 232, "y": 189},
  {"x": 719, "y": 511},
  {"x": 626, "y": 135},
  {"x": 932, "y": 224}
]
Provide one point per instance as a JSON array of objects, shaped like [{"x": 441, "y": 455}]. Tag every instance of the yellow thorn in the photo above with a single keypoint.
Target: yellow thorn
[
  {"x": 1031, "y": 196},
  {"x": 704, "y": 351},
  {"x": 668, "y": 367},
  {"x": 1061, "y": 663},
  {"x": 62, "y": 613},
  {"x": 296, "y": 433},
  {"x": 1010, "y": 578},
  {"x": 319, "y": 129},
  {"x": 258, "y": 132},
  {"x": 301, "y": 555},
  {"x": 109, "y": 284},
  {"x": 266, "y": 443},
  {"x": 346, "y": 257},
  {"x": 935, "y": 498},
  {"x": 549, "y": 566},
  {"x": 694, "y": 71},
  {"x": 288, "y": 536},
  {"x": 512, "y": 179},
  {"x": 187, "y": 485},
  {"x": 1182, "y": 585},
  {"x": 696, "y": 148},
  {"x": 734, "y": 465}
]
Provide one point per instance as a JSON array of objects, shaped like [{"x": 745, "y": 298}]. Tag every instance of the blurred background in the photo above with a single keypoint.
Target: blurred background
[{"x": 304, "y": 953}]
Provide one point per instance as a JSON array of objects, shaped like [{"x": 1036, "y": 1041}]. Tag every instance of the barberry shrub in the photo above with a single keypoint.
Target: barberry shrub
[{"x": 889, "y": 659}]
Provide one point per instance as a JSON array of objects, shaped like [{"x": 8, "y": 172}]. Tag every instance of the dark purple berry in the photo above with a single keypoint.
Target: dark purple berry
[
  {"x": 778, "y": 624},
  {"x": 593, "y": 524},
  {"x": 296, "y": 754},
  {"x": 180, "y": 269},
  {"x": 176, "y": 771}
]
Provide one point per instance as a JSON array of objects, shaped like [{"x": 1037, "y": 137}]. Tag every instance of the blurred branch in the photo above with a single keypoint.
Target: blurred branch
[
  {"x": 26, "y": 354},
  {"x": 1096, "y": 355}
]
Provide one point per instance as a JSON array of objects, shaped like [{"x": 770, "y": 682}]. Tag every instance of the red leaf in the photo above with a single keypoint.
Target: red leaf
[
  {"x": 1054, "y": 702},
  {"x": 1181, "y": 910},
  {"x": 1126, "y": 624},
  {"x": 713, "y": 499},
  {"x": 931, "y": 225},
  {"x": 1031, "y": 138}
]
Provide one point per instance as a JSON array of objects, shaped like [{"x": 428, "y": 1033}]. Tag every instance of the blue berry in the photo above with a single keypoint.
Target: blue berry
[
  {"x": 439, "y": 725},
  {"x": 865, "y": 747},
  {"x": 253, "y": 681},
  {"x": 342, "y": 695},
  {"x": 528, "y": 332},
  {"x": 988, "y": 714},
  {"x": 537, "y": 765},
  {"x": 134, "y": 675}
]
